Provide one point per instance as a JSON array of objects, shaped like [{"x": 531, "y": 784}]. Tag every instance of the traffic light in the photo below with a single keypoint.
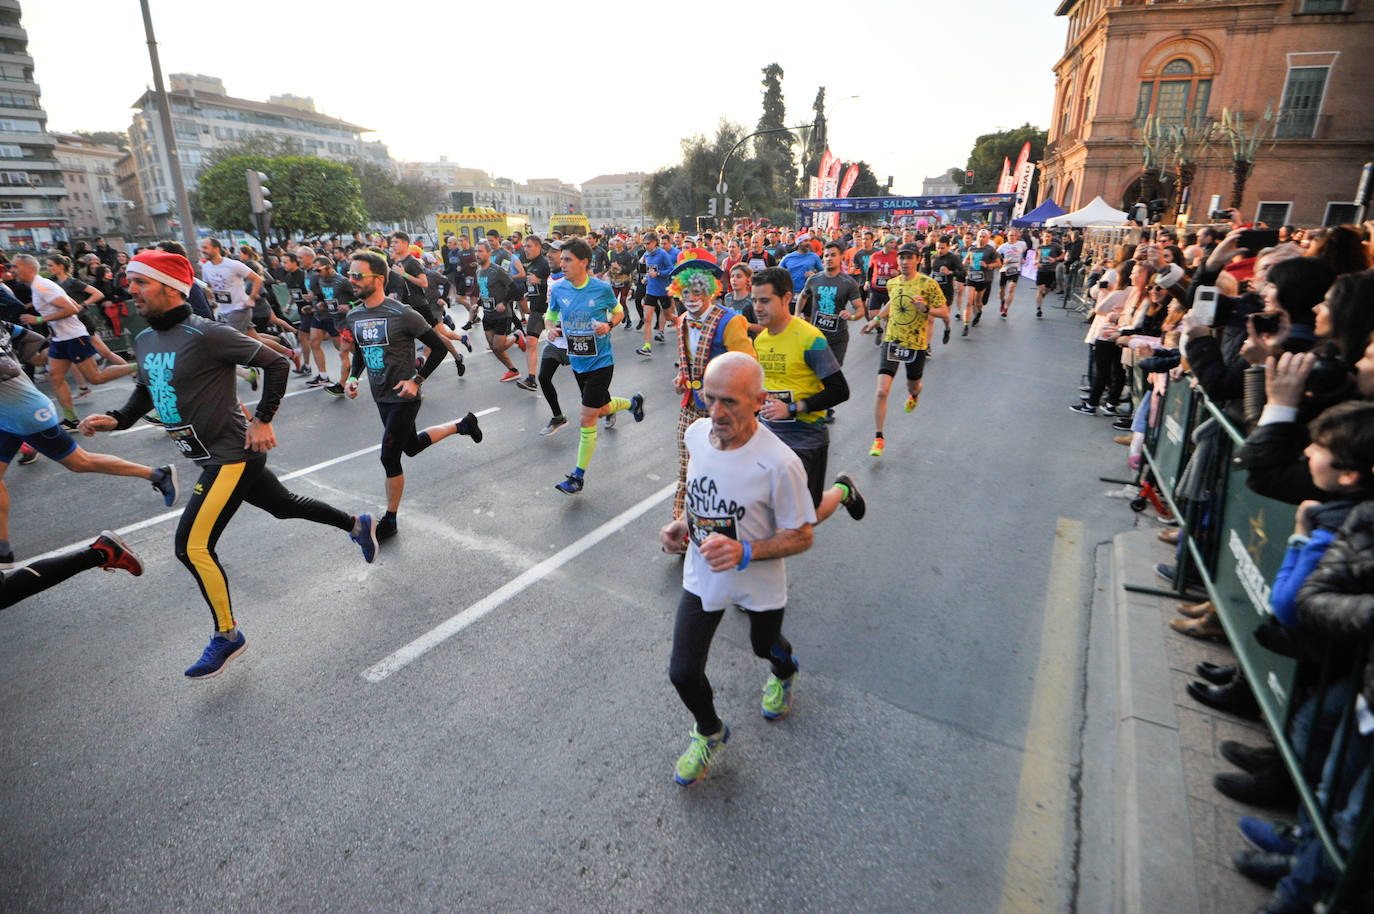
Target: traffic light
[
  {"x": 258, "y": 192},
  {"x": 727, "y": 207},
  {"x": 711, "y": 207}
]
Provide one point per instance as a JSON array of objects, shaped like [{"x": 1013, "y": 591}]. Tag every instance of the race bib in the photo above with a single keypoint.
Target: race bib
[
  {"x": 296, "y": 295},
  {"x": 698, "y": 527},
  {"x": 782, "y": 396},
  {"x": 372, "y": 332},
  {"x": 582, "y": 344},
  {"x": 882, "y": 282},
  {"x": 188, "y": 442},
  {"x": 221, "y": 298},
  {"x": 975, "y": 276},
  {"x": 488, "y": 306},
  {"x": 827, "y": 323},
  {"x": 897, "y": 353}
]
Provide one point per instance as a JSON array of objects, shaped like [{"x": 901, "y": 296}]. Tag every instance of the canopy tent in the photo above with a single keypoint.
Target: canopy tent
[
  {"x": 1098, "y": 212},
  {"x": 1045, "y": 211}
]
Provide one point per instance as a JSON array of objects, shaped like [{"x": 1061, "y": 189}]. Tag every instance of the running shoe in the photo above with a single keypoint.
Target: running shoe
[
  {"x": 252, "y": 379},
  {"x": 610, "y": 420},
  {"x": 644, "y": 351},
  {"x": 510, "y": 375},
  {"x": 977, "y": 316},
  {"x": 570, "y": 485},
  {"x": 69, "y": 424},
  {"x": 336, "y": 389},
  {"x": 527, "y": 383},
  {"x": 877, "y": 449},
  {"x": 152, "y": 418},
  {"x": 165, "y": 481},
  {"x": 467, "y": 326},
  {"x": 366, "y": 537},
  {"x": 82, "y": 393},
  {"x": 520, "y": 340},
  {"x": 659, "y": 337},
  {"x": 701, "y": 752},
  {"x": 639, "y": 325},
  {"x": 27, "y": 455},
  {"x": 468, "y": 426},
  {"x": 777, "y": 695},
  {"x": 946, "y": 338},
  {"x": 219, "y": 652},
  {"x": 465, "y": 341},
  {"x": 460, "y": 364},
  {"x": 637, "y": 407},
  {"x": 319, "y": 380},
  {"x": 116, "y": 553},
  {"x": 556, "y": 423},
  {"x": 448, "y": 322},
  {"x": 854, "y": 504},
  {"x": 911, "y": 402},
  {"x": 301, "y": 369},
  {"x": 386, "y": 529},
  {"x": 1039, "y": 313},
  {"x": 965, "y": 333},
  {"x": 1084, "y": 409},
  {"x": 6, "y": 561}
]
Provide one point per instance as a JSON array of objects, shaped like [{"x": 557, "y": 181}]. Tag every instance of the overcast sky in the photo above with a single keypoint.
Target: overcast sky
[{"x": 533, "y": 90}]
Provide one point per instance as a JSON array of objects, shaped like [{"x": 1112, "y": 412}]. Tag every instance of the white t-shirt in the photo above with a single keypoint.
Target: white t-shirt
[
  {"x": 1011, "y": 253},
  {"x": 46, "y": 295},
  {"x": 748, "y": 494},
  {"x": 227, "y": 281}
]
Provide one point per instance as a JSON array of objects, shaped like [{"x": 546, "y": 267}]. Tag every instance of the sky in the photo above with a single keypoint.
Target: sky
[{"x": 578, "y": 95}]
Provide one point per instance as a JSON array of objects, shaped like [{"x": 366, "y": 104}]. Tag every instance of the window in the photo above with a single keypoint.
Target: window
[
  {"x": 1340, "y": 214},
  {"x": 11, "y": 206},
  {"x": 1323, "y": 6},
  {"x": 1273, "y": 214},
  {"x": 10, "y": 152},
  {"x": 1178, "y": 92},
  {"x": 1302, "y": 102},
  {"x": 17, "y": 126}
]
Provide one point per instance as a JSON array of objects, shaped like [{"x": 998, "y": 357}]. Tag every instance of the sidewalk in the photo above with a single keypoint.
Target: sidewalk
[{"x": 1175, "y": 834}]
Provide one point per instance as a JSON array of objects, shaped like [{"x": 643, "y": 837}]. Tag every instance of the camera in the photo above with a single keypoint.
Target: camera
[
  {"x": 1219, "y": 215},
  {"x": 1265, "y": 322},
  {"x": 1211, "y": 308}
]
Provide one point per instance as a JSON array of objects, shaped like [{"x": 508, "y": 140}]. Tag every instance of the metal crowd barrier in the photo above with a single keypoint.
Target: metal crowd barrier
[{"x": 1235, "y": 541}]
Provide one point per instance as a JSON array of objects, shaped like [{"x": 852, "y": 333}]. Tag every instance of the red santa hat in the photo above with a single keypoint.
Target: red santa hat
[{"x": 164, "y": 267}]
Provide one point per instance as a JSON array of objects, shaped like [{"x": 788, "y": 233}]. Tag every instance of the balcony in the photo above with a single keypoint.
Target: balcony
[
  {"x": 15, "y": 32},
  {"x": 19, "y": 58}
]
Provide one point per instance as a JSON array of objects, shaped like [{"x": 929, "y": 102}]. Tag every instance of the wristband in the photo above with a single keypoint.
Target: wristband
[
  {"x": 744, "y": 559},
  {"x": 352, "y": 380},
  {"x": 40, "y": 319}
]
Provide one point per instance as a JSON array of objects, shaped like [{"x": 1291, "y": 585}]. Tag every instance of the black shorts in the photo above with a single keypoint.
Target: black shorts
[
  {"x": 813, "y": 461},
  {"x": 496, "y": 322},
  {"x": 1007, "y": 279},
  {"x": 876, "y": 299},
  {"x": 1045, "y": 278},
  {"x": 534, "y": 324},
  {"x": 981, "y": 286},
  {"x": 595, "y": 386},
  {"x": 657, "y": 301},
  {"x": 424, "y": 310},
  {"x": 914, "y": 369}
]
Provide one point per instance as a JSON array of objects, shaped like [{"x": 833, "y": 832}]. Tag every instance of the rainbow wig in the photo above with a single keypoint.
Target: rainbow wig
[{"x": 698, "y": 282}]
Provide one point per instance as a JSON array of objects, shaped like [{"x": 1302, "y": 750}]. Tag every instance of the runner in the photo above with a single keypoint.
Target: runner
[
  {"x": 831, "y": 299},
  {"x": 108, "y": 552},
  {"x": 384, "y": 335},
  {"x": 802, "y": 379},
  {"x": 233, "y": 287},
  {"x": 979, "y": 261},
  {"x": 747, "y": 510},
  {"x": 882, "y": 266},
  {"x": 705, "y": 330},
  {"x": 947, "y": 269},
  {"x": 85, "y": 296},
  {"x": 70, "y": 344},
  {"x": 912, "y": 300},
  {"x": 536, "y": 291},
  {"x": 1048, "y": 256},
  {"x": 408, "y": 285},
  {"x": 331, "y": 295},
  {"x": 496, "y": 294},
  {"x": 555, "y": 353},
  {"x": 1013, "y": 253},
  {"x": 186, "y": 369},
  {"x": 621, "y": 275},
  {"x": 658, "y": 264},
  {"x": 297, "y": 283},
  {"x": 585, "y": 310}
]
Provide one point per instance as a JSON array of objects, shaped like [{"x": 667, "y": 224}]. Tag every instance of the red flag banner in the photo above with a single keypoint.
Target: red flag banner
[{"x": 850, "y": 176}]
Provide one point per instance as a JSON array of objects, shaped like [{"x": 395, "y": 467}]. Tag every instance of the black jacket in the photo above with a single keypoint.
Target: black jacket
[{"x": 1337, "y": 599}]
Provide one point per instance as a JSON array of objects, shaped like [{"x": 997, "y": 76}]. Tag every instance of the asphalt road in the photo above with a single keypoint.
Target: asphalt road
[{"x": 525, "y": 762}]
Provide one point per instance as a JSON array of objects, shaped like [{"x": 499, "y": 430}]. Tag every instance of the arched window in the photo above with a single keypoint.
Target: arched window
[
  {"x": 1066, "y": 201},
  {"x": 1176, "y": 80}
]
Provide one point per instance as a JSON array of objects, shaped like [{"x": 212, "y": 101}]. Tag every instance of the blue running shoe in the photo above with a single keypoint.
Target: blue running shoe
[
  {"x": 1269, "y": 837},
  {"x": 219, "y": 652},
  {"x": 366, "y": 537},
  {"x": 637, "y": 407},
  {"x": 165, "y": 481},
  {"x": 571, "y": 485}
]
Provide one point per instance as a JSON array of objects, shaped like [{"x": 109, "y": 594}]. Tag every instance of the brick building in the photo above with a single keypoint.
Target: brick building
[{"x": 1187, "y": 59}]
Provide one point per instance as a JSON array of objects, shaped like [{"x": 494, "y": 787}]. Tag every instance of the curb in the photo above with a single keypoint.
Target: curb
[{"x": 1156, "y": 870}]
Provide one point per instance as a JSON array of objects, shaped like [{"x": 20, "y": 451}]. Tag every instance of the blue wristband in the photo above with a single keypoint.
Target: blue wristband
[{"x": 744, "y": 559}]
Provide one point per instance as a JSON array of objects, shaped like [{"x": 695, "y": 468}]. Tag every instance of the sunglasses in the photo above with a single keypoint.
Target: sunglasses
[{"x": 354, "y": 274}]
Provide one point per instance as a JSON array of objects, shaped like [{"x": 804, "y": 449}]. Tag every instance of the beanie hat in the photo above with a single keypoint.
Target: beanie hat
[{"x": 164, "y": 267}]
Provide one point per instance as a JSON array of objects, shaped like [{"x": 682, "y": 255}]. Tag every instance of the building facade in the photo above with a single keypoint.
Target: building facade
[
  {"x": 940, "y": 185},
  {"x": 538, "y": 198},
  {"x": 137, "y": 225},
  {"x": 1182, "y": 61},
  {"x": 615, "y": 200},
  {"x": 30, "y": 178},
  {"x": 205, "y": 119},
  {"x": 92, "y": 203}
]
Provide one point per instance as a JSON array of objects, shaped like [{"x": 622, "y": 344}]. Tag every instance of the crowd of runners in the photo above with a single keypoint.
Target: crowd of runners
[{"x": 760, "y": 330}]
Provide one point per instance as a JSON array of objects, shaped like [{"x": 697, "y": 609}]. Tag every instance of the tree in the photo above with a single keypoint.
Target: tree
[
  {"x": 1243, "y": 147},
  {"x": 220, "y": 199},
  {"x": 420, "y": 198},
  {"x": 263, "y": 145},
  {"x": 990, "y": 150},
  {"x": 310, "y": 196},
  {"x": 107, "y": 137},
  {"x": 683, "y": 191},
  {"x": 866, "y": 184},
  {"x": 816, "y": 140},
  {"x": 775, "y": 149},
  {"x": 381, "y": 195}
]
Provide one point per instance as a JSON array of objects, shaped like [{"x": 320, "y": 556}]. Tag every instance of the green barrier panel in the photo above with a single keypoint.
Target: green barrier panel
[{"x": 1169, "y": 451}]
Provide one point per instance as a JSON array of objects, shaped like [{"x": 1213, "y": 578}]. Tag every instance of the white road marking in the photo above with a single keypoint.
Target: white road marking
[
  {"x": 455, "y": 624},
  {"x": 168, "y": 515}
]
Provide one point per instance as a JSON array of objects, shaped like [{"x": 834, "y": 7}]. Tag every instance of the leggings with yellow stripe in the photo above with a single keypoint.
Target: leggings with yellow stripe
[{"x": 217, "y": 495}]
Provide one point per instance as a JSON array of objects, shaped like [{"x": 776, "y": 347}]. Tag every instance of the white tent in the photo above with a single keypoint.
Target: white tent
[{"x": 1098, "y": 212}]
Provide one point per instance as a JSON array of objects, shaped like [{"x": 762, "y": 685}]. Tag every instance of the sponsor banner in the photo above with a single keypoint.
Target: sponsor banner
[
  {"x": 850, "y": 176},
  {"x": 1023, "y": 183},
  {"x": 888, "y": 204}
]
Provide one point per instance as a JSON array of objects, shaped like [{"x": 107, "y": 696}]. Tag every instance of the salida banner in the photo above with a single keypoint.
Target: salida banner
[{"x": 887, "y": 204}]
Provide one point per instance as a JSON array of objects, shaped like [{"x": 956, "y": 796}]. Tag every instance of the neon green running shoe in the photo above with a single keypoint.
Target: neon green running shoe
[
  {"x": 777, "y": 695},
  {"x": 701, "y": 752}
]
